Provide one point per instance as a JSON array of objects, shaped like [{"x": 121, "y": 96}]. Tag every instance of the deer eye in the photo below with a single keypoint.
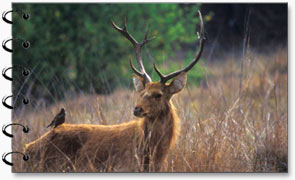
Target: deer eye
[{"x": 158, "y": 96}]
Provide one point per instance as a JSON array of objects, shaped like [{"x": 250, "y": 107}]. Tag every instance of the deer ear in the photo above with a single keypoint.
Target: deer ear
[
  {"x": 178, "y": 83},
  {"x": 138, "y": 82}
]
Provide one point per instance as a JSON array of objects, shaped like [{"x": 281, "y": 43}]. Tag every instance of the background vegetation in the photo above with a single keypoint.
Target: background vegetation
[
  {"x": 233, "y": 112},
  {"x": 74, "y": 47}
]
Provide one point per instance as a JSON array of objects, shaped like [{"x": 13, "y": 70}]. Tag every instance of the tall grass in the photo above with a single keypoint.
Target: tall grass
[{"x": 232, "y": 122}]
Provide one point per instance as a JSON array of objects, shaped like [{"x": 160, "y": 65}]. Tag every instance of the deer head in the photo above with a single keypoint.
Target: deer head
[{"x": 154, "y": 97}]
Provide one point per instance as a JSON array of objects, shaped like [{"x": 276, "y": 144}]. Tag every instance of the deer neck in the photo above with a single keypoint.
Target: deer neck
[{"x": 162, "y": 128}]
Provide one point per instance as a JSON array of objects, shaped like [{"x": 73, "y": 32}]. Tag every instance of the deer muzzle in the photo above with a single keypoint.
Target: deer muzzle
[{"x": 137, "y": 111}]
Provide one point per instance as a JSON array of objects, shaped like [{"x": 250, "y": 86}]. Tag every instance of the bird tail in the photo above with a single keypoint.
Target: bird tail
[{"x": 49, "y": 125}]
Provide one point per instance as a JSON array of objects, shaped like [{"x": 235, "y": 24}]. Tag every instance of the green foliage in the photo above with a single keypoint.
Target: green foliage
[{"x": 75, "y": 48}]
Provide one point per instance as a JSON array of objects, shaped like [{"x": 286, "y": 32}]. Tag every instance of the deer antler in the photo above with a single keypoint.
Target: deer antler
[
  {"x": 165, "y": 78},
  {"x": 137, "y": 46}
]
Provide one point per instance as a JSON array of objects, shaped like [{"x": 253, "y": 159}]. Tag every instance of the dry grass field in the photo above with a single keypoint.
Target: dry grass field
[{"x": 235, "y": 121}]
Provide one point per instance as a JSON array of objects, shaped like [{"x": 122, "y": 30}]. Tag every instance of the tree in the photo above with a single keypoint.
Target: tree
[{"x": 75, "y": 48}]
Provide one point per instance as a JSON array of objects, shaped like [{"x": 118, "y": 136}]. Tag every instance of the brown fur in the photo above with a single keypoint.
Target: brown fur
[{"x": 139, "y": 145}]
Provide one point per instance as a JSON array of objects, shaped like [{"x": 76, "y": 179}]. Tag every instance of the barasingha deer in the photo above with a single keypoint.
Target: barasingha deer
[{"x": 139, "y": 145}]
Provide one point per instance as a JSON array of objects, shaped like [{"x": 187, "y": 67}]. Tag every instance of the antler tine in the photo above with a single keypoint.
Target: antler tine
[
  {"x": 134, "y": 69},
  {"x": 158, "y": 71},
  {"x": 165, "y": 78},
  {"x": 146, "y": 32},
  {"x": 146, "y": 40},
  {"x": 137, "y": 46},
  {"x": 125, "y": 24},
  {"x": 124, "y": 32}
]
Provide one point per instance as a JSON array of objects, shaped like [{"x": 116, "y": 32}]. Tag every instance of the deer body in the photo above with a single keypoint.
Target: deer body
[
  {"x": 83, "y": 147},
  {"x": 139, "y": 145}
]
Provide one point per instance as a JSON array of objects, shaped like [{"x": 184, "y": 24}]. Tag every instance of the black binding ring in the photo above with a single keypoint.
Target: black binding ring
[
  {"x": 25, "y": 100},
  {"x": 25, "y": 16},
  {"x": 25, "y": 157},
  {"x": 26, "y": 129},
  {"x": 25, "y": 72},
  {"x": 25, "y": 44}
]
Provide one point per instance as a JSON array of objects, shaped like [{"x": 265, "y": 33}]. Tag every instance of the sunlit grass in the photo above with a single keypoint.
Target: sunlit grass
[{"x": 232, "y": 122}]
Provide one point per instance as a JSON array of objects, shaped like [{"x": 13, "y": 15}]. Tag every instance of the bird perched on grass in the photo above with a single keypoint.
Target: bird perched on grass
[{"x": 58, "y": 119}]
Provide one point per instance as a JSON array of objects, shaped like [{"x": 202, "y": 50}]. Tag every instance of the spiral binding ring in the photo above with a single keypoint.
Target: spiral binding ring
[
  {"x": 25, "y": 157},
  {"x": 26, "y": 129},
  {"x": 26, "y": 71},
  {"x": 25, "y": 44},
  {"x": 25, "y": 101},
  {"x": 25, "y": 16}
]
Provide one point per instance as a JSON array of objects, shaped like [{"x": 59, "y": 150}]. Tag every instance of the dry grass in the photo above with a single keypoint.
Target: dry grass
[{"x": 236, "y": 121}]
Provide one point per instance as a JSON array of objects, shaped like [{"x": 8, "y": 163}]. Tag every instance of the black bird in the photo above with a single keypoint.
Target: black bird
[{"x": 58, "y": 119}]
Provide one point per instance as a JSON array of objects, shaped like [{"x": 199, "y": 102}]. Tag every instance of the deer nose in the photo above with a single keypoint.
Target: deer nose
[{"x": 137, "y": 110}]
